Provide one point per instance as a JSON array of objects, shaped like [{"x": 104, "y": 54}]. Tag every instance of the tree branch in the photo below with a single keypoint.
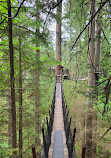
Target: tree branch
[
  {"x": 18, "y": 9},
  {"x": 15, "y": 14},
  {"x": 105, "y": 37},
  {"x": 46, "y": 20},
  {"x": 25, "y": 151},
  {"x": 51, "y": 8},
  {"x": 104, "y": 115},
  {"x": 40, "y": 35},
  {"x": 106, "y": 132},
  {"x": 103, "y": 4},
  {"x": 25, "y": 28},
  {"x": 56, "y": 4},
  {"x": 2, "y": 21},
  {"x": 103, "y": 81}
]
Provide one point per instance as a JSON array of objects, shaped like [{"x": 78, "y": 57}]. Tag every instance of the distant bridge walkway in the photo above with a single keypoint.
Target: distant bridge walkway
[
  {"x": 59, "y": 142},
  {"x": 58, "y": 148}
]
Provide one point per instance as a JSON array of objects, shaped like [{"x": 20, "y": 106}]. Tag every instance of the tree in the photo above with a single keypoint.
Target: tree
[
  {"x": 98, "y": 40},
  {"x": 20, "y": 100},
  {"x": 37, "y": 80},
  {"x": 12, "y": 82},
  {"x": 91, "y": 82},
  {"x": 58, "y": 38}
]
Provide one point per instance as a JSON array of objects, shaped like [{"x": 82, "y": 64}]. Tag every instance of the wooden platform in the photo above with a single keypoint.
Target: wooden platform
[{"x": 58, "y": 127}]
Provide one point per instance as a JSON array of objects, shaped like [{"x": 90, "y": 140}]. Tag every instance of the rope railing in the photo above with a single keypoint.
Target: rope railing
[
  {"x": 70, "y": 137},
  {"x": 49, "y": 122}
]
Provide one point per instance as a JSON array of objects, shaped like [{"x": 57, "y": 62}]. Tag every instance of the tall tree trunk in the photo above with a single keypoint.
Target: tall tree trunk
[
  {"x": 9, "y": 119},
  {"x": 91, "y": 82},
  {"x": 76, "y": 69},
  {"x": 20, "y": 99},
  {"x": 97, "y": 52},
  {"x": 97, "y": 59},
  {"x": 70, "y": 40},
  {"x": 37, "y": 103},
  {"x": 70, "y": 66},
  {"x": 37, "y": 82},
  {"x": 13, "y": 106},
  {"x": 70, "y": 71},
  {"x": 58, "y": 38}
]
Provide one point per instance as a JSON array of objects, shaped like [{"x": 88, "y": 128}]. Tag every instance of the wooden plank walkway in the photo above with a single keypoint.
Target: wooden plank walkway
[{"x": 58, "y": 148}]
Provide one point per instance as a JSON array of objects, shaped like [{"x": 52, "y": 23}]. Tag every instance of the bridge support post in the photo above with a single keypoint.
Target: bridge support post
[
  {"x": 33, "y": 152},
  {"x": 83, "y": 151},
  {"x": 45, "y": 144}
]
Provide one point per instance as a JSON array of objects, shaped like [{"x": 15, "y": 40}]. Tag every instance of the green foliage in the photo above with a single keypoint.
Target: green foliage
[
  {"x": 28, "y": 28},
  {"x": 25, "y": 29}
]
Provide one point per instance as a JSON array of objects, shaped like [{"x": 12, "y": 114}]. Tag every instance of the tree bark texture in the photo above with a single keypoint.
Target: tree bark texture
[
  {"x": 91, "y": 82},
  {"x": 37, "y": 103},
  {"x": 9, "y": 119},
  {"x": 58, "y": 38},
  {"x": 20, "y": 99},
  {"x": 37, "y": 82},
  {"x": 97, "y": 59},
  {"x": 13, "y": 106},
  {"x": 98, "y": 41},
  {"x": 76, "y": 69},
  {"x": 70, "y": 70},
  {"x": 70, "y": 65}
]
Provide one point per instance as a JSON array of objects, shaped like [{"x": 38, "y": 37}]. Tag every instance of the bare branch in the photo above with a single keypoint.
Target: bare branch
[
  {"x": 2, "y": 21},
  {"x": 18, "y": 9},
  {"x": 109, "y": 78},
  {"x": 25, "y": 151},
  {"x": 103, "y": 4},
  {"x": 105, "y": 37},
  {"x": 25, "y": 28},
  {"x": 106, "y": 132},
  {"x": 51, "y": 8},
  {"x": 15, "y": 14},
  {"x": 56, "y": 4},
  {"x": 103, "y": 115},
  {"x": 46, "y": 20}
]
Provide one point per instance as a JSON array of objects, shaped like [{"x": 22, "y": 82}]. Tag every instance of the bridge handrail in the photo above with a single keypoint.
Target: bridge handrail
[
  {"x": 47, "y": 134},
  {"x": 70, "y": 137}
]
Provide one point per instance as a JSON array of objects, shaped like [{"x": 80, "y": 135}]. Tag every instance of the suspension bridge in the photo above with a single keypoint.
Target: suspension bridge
[{"x": 58, "y": 140}]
